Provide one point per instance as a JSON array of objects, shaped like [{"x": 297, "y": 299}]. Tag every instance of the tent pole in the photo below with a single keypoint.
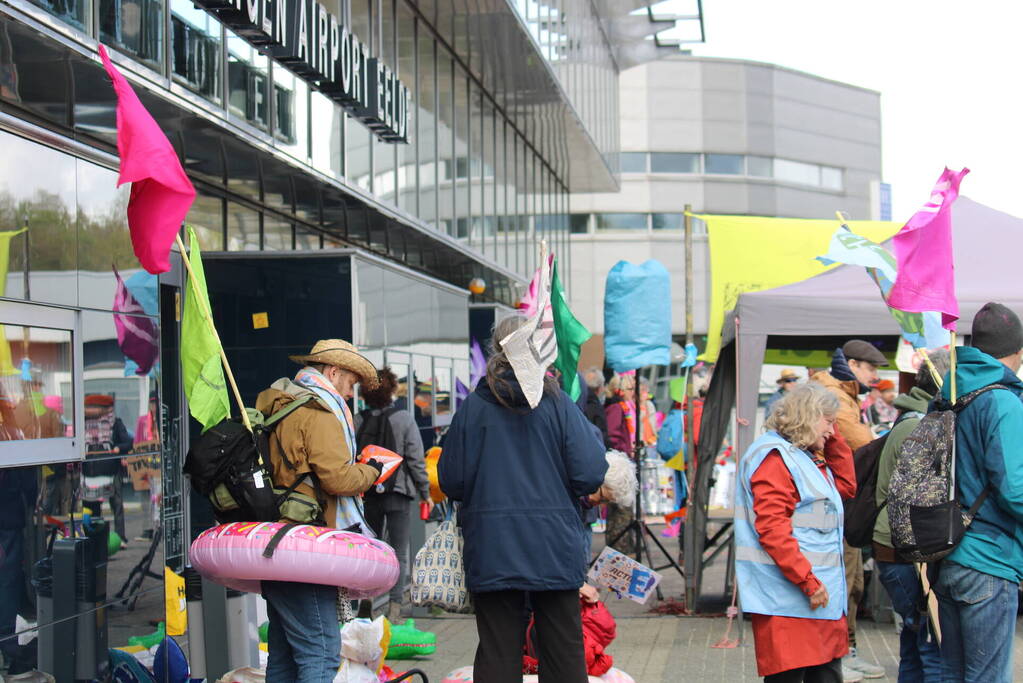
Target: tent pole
[{"x": 691, "y": 528}]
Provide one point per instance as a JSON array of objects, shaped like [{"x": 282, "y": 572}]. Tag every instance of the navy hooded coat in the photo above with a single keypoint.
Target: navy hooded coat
[{"x": 519, "y": 474}]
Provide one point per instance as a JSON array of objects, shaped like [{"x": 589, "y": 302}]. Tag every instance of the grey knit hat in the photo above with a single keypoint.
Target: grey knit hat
[{"x": 997, "y": 331}]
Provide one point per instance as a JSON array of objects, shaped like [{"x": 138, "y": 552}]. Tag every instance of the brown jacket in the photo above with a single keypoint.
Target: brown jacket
[
  {"x": 850, "y": 426},
  {"x": 314, "y": 442}
]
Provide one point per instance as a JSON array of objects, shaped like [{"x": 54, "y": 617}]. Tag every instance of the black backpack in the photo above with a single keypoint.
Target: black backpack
[
  {"x": 230, "y": 465},
  {"x": 376, "y": 430},
  {"x": 861, "y": 510}
]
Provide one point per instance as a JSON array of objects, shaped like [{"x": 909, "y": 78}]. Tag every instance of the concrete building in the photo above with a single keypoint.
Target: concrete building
[{"x": 728, "y": 137}]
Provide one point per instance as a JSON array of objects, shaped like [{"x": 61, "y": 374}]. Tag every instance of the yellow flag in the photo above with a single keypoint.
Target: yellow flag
[
  {"x": 750, "y": 253},
  {"x": 6, "y": 366}
]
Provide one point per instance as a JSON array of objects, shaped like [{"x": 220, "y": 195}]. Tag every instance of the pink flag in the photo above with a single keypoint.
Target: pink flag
[
  {"x": 136, "y": 334},
  {"x": 923, "y": 248},
  {"x": 161, "y": 193}
]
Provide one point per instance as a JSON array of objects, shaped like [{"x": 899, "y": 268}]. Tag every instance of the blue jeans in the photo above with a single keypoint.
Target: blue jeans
[
  {"x": 304, "y": 636},
  {"x": 978, "y": 621},
  {"x": 919, "y": 657}
]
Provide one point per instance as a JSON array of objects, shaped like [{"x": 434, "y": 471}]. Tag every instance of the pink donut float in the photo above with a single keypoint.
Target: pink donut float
[
  {"x": 232, "y": 555},
  {"x": 464, "y": 675}
]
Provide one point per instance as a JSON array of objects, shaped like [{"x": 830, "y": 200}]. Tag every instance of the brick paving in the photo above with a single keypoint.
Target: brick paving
[{"x": 668, "y": 649}]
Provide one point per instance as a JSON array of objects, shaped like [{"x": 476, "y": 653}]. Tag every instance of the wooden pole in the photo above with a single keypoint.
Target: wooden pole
[{"x": 208, "y": 317}]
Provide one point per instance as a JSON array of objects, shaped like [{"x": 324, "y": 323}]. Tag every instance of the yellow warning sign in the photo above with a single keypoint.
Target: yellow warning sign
[{"x": 260, "y": 321}]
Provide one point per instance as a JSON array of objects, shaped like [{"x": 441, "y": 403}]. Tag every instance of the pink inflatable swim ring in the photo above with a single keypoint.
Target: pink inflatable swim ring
[
  {"x": 232, "y": 555},
  {"x": 464, "y": 675}
]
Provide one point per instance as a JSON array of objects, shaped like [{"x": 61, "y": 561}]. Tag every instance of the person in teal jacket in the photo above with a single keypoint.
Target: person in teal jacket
[{"x": 978, "y": 583}]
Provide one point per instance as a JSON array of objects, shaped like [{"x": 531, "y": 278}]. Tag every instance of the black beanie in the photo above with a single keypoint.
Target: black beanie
[{"x": 997, "y": 331}]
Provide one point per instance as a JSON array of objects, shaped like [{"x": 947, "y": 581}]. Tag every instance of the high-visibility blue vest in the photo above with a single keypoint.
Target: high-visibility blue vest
[{"x": 816, "y": 525}]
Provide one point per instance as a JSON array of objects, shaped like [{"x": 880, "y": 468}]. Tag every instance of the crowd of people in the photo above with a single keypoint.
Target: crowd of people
[
  {"x": 799, "y": 578},
  {"x": 527, "y": 482}
]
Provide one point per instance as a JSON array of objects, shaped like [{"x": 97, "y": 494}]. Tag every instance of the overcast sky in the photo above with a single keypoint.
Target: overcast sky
[{"x": 949, "y": 74}]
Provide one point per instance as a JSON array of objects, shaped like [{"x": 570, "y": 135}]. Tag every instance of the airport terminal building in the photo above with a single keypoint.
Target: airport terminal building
[{"x": 357, "y": 164}]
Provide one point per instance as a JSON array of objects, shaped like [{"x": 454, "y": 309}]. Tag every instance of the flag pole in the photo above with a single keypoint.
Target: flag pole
[{"x": 213, "y": 329}]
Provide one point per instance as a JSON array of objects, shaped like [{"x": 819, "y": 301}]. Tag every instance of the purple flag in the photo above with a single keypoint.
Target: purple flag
[
  {"x": 461, "y": 392},
  {"x": 477, "y": 364},
  {"x": 136, "y": 332}
]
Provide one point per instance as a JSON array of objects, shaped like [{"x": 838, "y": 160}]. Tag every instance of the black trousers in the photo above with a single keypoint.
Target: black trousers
[
  {"x": 501, "y": 622},
  {"x": 822, "y": 673}
]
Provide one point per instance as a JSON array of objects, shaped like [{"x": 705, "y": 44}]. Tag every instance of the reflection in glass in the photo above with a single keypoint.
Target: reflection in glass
[
  {"x": 406, "y": 171},
  {"x": 291, "y": 127},
  {"x": 461, "y": 184},
  {"x": 442, "y": 391},
  {"x": 206, "y": 216},
  {"x": 248, "y": 81},
  {"x": 426, "y": 130},
  {"x": 74, "y": 12},
  {"x": 135, "y": 26},
  {"x": 37, "y": 400},
  {"x": 306, "y": 240},
  {"x": 674, "y": 162},
  {"x": 327, "y": 132},
  {"x": 422, "y": 401},
  {"x": 276, "y": 233},
  {"x": 726, "y": 164},
  {"x": 195, "y": 46},
  {"x": 242, "y": 228},
  {"x": 445, "y": 139},
  {"x": 104, "y": 242},
  {"x": 37, "y": 191},
  {"x": 667, "y": 221}
]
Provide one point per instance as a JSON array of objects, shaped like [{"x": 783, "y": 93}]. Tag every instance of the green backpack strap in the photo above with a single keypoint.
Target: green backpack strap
[{"x": 270, "y": 422}]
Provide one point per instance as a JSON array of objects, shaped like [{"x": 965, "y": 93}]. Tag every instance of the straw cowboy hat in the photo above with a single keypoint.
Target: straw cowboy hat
[
  {"x": 787, "y": 375},
  {"x": 345, "y": 356}
]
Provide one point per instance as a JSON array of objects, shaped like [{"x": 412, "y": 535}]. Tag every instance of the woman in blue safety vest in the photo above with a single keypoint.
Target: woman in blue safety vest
[{"x": 788, "y": 539}]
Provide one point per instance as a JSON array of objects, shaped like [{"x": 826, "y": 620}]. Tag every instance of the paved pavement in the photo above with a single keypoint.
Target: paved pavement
[{"x": 656, "y": 648}]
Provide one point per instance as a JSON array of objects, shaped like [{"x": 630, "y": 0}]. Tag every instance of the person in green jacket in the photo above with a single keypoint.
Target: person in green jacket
[{"x": 919, "y": 657}]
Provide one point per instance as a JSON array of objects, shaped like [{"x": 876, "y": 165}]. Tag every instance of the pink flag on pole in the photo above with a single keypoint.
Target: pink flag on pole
[
  {"x": 923, "y": 248},
  {"x": 161, "y": 193}
]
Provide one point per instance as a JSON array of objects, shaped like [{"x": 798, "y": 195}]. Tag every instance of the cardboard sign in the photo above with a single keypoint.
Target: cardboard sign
[
  {"x": 623, "y": 575},
  {"x": 142, "y": 470}
]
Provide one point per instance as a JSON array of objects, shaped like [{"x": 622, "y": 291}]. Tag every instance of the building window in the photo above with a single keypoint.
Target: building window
[
  {"x": 674, "y": 162},
  {"x": 621, "y": 221},
  {"x": 135, "y": 26},
  {"x": 831, "y": 178},
  {"x": 632, "y": 162},
  {"x": 195, "y": 44},
  {"x": 579, "y": 223},
  {"x": 666, "y": 221},
  {"x": 724, "y": 164},
  {"x": 796, "y": 172},
  {"x": 760, "y": 167}
]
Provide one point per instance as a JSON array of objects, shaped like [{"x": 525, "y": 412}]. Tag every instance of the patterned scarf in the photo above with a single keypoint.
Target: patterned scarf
[
  {"x": 349, "y": 508},
  {"x": 99, "y": 431},
  {"x": 629, "y": 412}
]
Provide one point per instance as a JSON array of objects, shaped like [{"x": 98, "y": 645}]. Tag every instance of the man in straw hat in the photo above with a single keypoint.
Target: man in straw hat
[
  {"x": 786, "y": 381},
  {"x": 316, "y": 445}
]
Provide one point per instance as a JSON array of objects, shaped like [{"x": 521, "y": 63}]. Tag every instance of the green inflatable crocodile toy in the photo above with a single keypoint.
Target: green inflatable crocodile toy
[{"x": 407, "y": 641}]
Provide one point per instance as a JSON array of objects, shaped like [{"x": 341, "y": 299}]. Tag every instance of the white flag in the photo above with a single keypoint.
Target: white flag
[{"x": 533, "y": 348}]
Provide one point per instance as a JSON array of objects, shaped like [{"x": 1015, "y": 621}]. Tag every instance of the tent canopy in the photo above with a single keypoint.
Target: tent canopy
[{"x": 845, "y": 302}]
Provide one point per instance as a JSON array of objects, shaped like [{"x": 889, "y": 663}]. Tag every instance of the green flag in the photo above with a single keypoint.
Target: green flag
[
  {"x": 571, "y": 336},
  {"x": 201, "y": 370}
]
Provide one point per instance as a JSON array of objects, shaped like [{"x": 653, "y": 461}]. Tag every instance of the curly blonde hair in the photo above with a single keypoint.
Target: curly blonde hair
[
  {"x": 620, "y": 383},
  {"x": 796, "y": 414}
]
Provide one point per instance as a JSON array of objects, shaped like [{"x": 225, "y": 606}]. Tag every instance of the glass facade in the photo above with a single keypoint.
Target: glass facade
[{"x": 472, "y": 169}]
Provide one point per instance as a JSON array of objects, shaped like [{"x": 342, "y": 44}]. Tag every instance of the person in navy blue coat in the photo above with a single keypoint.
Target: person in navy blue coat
[{"x": 519, "y": 475}]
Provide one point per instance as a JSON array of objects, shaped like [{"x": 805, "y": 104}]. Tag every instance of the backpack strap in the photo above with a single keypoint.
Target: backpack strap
[
  {"x": 270, "y": 422},
  {"x": 972, "y": 512},
  {"x": 268, "y": 551},
  {"x": 972, "y": 396}
]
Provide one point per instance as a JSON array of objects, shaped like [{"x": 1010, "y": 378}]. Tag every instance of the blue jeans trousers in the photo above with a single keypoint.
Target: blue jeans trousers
[
  {"x": 978, "y": 621},
  {"x": 919, "y": 657},
  {"x": 304, "y": 636}
]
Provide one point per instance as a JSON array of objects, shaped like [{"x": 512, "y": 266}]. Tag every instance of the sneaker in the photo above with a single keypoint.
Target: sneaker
[
  {"x": 145, "y": 537},
  {"x": 857, "y": 663},
  {"x": 850, "y": 676}
]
